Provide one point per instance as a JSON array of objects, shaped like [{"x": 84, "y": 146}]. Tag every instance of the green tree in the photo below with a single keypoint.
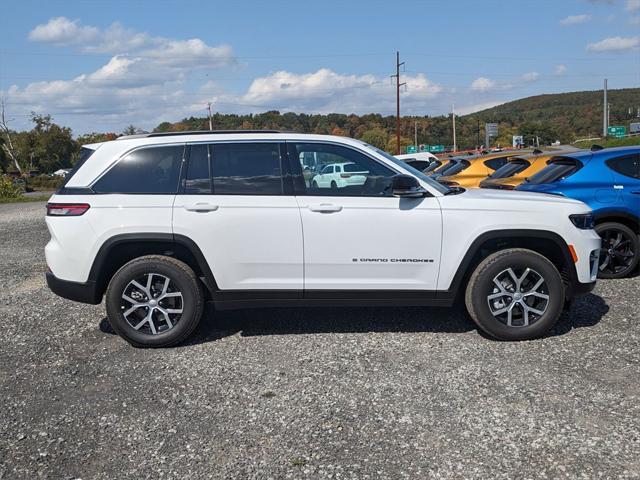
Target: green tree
[{"x": 377, "y": 137}]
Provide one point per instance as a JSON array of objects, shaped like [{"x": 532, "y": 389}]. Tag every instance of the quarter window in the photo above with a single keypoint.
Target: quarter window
[
  {"x": 146, "y": 170},
  {"x": 629, "y": 165},
  {"x": 246, "y": 169},
  {"x": 334, "y": 170}
]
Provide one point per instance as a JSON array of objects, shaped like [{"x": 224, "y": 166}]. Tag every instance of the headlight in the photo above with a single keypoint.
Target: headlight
[{"x": 584, "y": 221}]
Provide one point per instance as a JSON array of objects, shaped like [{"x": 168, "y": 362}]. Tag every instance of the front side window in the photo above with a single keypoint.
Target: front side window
[
  {"x": 246, "y": 169},
  {"x": 511, "y": 168},
  {"x": 145, "y": 170},
  {"x": 343, "y": 171},
  {"x": 629, "y": 165},
  {"x": 496, "y": 163}
]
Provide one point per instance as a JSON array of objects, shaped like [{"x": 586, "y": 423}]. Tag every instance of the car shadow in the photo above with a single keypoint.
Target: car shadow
[{"x": 587, "y": 311}]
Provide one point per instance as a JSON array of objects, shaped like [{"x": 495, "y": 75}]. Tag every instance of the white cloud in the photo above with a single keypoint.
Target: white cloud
[
  {"x": 615, "y": 44},
  {"x": 478, "y": 107},
  {"x": 483, "y": 84},
  {"x": 327, "y": 91},
  {"x": 575, "y": 19},
  {"x": 632, "y": 5},
  {"x": 62, "y": 31},
  {"x": 530, "y": 77},
  {"x": 560, "y": 69},
  {"x": 635, "y": 20}
]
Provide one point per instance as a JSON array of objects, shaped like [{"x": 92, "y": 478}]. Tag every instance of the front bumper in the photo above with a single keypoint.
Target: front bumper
[{"x": 79, "y": 292}]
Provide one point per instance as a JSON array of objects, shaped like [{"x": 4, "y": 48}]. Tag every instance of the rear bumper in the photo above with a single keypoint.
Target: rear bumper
[{"x": 76, "y": 291}]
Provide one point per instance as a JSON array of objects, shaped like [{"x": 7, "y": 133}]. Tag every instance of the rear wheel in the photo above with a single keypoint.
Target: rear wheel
[
  {"x": 154, "y": 301},
  {"x": 515, "y": 294},
  {"x": 619, "y": 252},
  {"x": 334, "y": 185}
]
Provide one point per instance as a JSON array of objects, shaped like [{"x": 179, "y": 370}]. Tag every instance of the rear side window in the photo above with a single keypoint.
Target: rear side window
[
  {"x": 496, "y": 163},
  {"x": 198, "y": 177},
  {"x": 457, "y": 168},
  {"x": 558, "y": 169},
  {"x": 85, "y": 153},
  {"x": 246, "y": 169},
  {"x": 629, "y": 165},
  {"x": 145, "y": 170}
]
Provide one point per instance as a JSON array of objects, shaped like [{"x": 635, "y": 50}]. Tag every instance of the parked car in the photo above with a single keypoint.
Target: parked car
[
  {"x": 468, "y": 173},
  {"x": 516, "y": 170},
  {"x": 160, "y": 223},
  {"x": 339, "y": 175},
  {"x": 608, "y": 180},
  {"x": 448, "y": 164}
]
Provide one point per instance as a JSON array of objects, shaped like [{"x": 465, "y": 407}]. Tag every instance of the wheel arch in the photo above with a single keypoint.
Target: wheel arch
[
  {"x": 120, "y": 249},
  {"x": 547, "y": 243},
  {"x": 624, "y": 218}
]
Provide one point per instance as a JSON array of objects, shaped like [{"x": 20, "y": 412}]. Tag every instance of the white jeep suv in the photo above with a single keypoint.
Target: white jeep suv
[{"x": 160, "y": 223}]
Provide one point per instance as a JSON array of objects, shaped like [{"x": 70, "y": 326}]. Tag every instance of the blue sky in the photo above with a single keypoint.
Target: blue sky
[{"x": 98, "y": 65}]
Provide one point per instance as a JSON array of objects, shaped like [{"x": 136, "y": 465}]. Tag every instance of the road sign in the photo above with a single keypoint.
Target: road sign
[
  {"x": 436, "y": 148},
  {"x": 412, "y": 149},
  {"x": 491, "y": 129},
  {"x": 518, "y": 141},
  {"x": 617, "y": 131},
  {"x": 634, "y": 127}
]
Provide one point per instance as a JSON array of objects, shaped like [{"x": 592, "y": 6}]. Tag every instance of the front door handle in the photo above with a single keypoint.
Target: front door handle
[
  {"x": 325, "y": 208},
  {"x": 201, "y": 207}
]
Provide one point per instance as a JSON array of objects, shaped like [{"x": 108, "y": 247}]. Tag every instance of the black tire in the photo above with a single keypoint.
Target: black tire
[
  {"x": 334, "y": 185},
  {"x": 185, "y": 281},
  {"x": 481, "y": 285},
  {"x": 314, "y": 184},
  {"x": 614, "y": 260}
]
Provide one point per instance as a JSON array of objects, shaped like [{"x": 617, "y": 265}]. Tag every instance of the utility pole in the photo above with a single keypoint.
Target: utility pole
[
  {"x": 478, "y": 138},
  {"x": 605, "y": 113},
  {"x": 210, "y": 120},
  {"x": 398, "y": 85},
  {"x": 415, "y": 135},
  {"x": 453, "y": 120}
]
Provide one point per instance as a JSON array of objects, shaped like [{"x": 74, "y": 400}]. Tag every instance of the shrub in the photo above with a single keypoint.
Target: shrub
[{"x": 9, "y": 189}]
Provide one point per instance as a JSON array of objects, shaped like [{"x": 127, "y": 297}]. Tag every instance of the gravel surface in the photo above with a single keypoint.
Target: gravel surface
[{"x": 310, "y": 393}]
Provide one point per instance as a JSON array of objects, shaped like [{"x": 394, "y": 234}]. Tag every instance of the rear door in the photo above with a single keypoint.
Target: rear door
[
  {"x": 358, "y": 236},
  {"x": 236, "y": 203},
  {"x": 626, "y": 171}
]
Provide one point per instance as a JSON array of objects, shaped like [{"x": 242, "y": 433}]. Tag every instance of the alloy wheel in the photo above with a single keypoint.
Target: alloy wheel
[
  {"x": 151, "y": 303},
  {"x": 616, "y": 253},
  {"x": 519, "y": 297}
]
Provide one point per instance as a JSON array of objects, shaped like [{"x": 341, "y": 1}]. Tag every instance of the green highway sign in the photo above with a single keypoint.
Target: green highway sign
[
  {"x": 617, "y": 131},
  {"x": 436, "y": 148},
  {"x": 412, "y": 149}
]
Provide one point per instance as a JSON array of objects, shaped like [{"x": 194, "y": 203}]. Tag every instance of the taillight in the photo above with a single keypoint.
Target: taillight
[
  {"x": 66, "y": 209},
  {"x": 345, "y": 175}
]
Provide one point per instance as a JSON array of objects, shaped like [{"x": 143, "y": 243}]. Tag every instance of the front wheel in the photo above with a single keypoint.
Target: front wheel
[
  {"x": 619, "y": 252},
  {"x": 515, "y": 294},
  {"x": 154, "y": 301}
]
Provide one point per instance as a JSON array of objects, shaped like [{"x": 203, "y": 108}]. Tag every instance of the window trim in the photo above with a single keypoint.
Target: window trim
[
  {"x": 297, "y": 173},
  {"x": 140, "y": 147}
]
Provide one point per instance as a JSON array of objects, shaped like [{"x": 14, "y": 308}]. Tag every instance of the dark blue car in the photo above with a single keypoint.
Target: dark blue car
[{"x": 608, "y": 180}]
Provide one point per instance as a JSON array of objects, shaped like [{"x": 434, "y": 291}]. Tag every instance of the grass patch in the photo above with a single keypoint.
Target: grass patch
[
  {"x": 610, "y": 142},
  {"x": 25, "y": 198}
]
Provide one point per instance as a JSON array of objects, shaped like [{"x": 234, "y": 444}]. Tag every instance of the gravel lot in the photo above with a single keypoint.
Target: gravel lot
[{"x": 317, "y": 393}]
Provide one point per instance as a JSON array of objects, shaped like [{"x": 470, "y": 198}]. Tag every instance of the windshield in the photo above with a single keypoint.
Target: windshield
[
  {"x": 456, "y": 168},
  {"x": 511, "y": 168},
  {"x": 558, "y": 169},
  {"x": 443, "y": 168},
  {"x": 85, "y": 153},
  {"x": 417, "y": 173}
]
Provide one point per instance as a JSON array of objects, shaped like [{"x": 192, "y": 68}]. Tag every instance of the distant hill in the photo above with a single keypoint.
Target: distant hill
[
  {"x": 563, "y": 116},
  {"x": 573, "y": 115}
]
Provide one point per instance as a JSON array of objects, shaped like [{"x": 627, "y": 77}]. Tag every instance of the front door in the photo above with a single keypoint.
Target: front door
[
  {"x": 233, "y": 204},
  {"x": 357, "y": 236}
]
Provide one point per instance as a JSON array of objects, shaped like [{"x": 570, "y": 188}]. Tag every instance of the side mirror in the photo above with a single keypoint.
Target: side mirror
[{"x": 406, "y": 186}]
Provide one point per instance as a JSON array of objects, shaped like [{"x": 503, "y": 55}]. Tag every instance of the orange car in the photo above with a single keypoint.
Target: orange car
[
  {"x": 516, "y": 171},
  {"x": 470, "y": 172}
]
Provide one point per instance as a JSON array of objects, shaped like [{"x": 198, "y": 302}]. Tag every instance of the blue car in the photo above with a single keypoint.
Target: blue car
[{"x": 608, "y": 180}]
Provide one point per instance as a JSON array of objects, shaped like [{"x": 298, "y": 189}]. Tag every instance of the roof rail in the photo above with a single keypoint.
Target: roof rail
[
  {"x": 595, "y": 148},
  {"x": 193, "y": 132}
]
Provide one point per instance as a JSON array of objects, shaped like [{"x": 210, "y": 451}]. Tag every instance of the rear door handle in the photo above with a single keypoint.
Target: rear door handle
[
  {"x": 635, "y": 192},
  {"x": 325, "y": 208},
  {"x": 201, "y": 207}
]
